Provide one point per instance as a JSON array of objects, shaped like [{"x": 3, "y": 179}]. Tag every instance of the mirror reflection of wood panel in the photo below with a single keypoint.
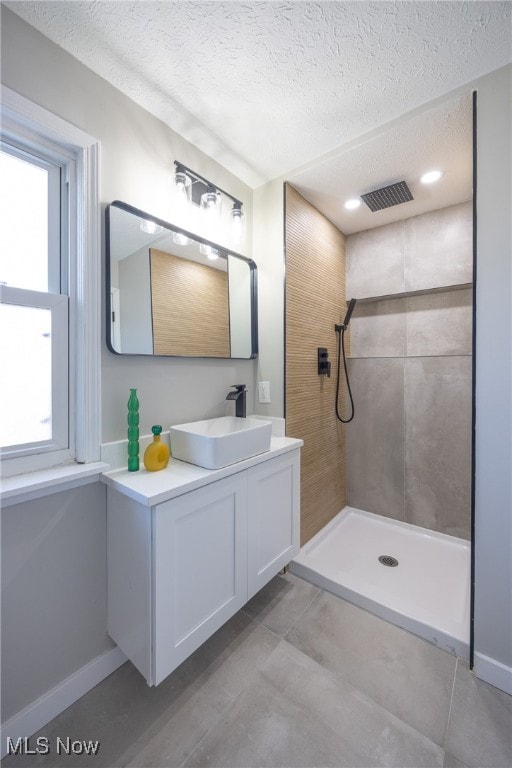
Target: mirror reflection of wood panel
[{"x": 190, "y": 307}]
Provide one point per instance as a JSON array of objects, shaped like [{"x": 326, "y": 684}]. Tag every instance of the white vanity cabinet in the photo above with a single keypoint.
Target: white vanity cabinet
[{"x": 180, "y": 568}]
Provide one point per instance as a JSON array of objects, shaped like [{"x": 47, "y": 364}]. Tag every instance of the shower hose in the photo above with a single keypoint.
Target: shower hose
[{"x": 340, "y": 330}]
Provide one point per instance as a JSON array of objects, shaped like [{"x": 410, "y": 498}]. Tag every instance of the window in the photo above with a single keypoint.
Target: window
[
  {"x": 34, "y": 332},
  {"x": 49, "y": 290}
]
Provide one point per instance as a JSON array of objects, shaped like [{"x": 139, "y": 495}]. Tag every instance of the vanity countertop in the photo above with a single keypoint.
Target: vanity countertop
[{"x": 150, "y": 488}]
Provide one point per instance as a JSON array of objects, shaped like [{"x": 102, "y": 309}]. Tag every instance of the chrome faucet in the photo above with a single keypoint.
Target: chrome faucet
[{"x": 240, "y": 396}]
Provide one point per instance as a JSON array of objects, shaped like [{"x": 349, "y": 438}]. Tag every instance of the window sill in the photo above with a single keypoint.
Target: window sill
[{"x": 33, "y": 485}]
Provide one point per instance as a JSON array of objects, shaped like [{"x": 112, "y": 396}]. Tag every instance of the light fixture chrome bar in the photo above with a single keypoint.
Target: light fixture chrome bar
[{"x": 197, "y": 177}]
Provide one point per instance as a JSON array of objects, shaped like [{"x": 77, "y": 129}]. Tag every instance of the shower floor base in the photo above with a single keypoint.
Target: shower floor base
[{"x": 427, "y": 593}]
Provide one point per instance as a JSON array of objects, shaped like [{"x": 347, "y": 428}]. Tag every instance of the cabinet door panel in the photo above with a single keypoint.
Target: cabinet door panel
[
  {"x": 200, "y": 546},
  {"x": 274, "y": 509}
]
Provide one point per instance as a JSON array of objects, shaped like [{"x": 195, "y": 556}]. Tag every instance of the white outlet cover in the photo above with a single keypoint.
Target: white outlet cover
[{"x": 264, "y": 391}]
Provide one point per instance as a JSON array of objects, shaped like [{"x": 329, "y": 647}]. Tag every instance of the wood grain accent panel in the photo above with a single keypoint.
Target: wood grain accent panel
[
  {"x": 190, "y": 303},
  {"x": 315, "y": 301}
]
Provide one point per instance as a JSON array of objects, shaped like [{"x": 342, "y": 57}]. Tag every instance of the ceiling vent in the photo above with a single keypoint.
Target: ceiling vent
[{"x": 385, "y": 197}]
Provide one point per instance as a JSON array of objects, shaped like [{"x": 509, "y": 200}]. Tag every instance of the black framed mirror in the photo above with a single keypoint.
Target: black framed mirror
[{"x": 173, "y": 293}]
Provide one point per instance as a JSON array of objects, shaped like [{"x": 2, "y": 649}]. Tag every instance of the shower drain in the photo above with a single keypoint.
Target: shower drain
[{"x": 391, "y": 562}]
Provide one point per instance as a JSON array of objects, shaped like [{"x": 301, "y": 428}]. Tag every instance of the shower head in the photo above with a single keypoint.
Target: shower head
[
  {"x": 350, "y": 309},
  {"x": 343, "y": 327},
  {"x": 386, "y": 197}
]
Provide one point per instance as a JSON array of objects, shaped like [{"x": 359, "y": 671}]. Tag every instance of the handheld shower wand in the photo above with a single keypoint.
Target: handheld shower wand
[
  {"x": 340, "y": 330},
  {"x": 350, "y": 309}
]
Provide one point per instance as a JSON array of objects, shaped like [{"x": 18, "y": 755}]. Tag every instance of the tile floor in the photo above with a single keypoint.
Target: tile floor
[{"x": 299, "y": 677}]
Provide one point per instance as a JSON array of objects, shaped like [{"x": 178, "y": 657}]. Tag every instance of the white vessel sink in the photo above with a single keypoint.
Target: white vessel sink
[{"x": 216, "y": 443}]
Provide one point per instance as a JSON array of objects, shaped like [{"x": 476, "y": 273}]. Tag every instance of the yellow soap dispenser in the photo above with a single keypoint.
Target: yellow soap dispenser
[{"x": 156, "y": 455}]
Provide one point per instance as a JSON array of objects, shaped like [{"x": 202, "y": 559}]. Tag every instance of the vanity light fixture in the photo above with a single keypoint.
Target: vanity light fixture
[
  {"x": 198, "y": 191},
  {"x": 430, "y": 177},
  {"x": 351, "y": 205}
]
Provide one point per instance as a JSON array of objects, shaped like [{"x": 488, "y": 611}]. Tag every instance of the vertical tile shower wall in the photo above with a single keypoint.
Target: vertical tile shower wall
[
  {"x": 409, "y": 446},
  {"x": 315, "y": 301}
]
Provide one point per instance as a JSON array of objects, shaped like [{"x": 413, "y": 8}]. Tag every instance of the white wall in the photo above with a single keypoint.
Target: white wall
[
  {"x": 268, "y": 245},
  {"x": 54, "y": 602},
  {"x": 493, "y": 532}
]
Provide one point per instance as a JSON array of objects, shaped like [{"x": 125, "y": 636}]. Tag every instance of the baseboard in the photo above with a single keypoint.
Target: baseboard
[
  {"x": 50, "y": 704},
  {"x": 493, "y": 672}
]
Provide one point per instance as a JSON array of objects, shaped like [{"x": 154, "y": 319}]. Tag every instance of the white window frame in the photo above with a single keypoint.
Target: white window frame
[
  {"x": 55, "y": 298},
  {"x": 24, "y": 122}
]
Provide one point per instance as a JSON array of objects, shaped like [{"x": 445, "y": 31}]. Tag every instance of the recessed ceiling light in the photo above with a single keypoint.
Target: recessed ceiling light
[
  {"x": 430, "y": 177},
  {"x": 350, "y": 205}
]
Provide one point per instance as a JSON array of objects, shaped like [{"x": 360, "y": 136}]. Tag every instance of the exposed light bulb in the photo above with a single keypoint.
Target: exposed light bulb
[
  {"x": 430, "y": 177},
  {"x": 183, "y": 184},
  {"x": 180, "y": 239},
  {"x": 209, "y": 200},
  {"x": 207, "y": 250},
  {"x": 151, "y": 228},
  {"x": 210, "y": 212},
  {"x": 351, "y": 205}
]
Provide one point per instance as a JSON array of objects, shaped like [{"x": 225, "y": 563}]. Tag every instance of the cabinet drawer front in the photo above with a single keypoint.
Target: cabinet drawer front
[
  {"x": 200, "y": 577},
  {"x": 273, "y": 518}
]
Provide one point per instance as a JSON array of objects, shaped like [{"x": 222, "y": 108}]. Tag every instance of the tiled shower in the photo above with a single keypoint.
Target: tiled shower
[
  {"x": 408, "y": 452},
  {"x": 404, "y": 462}
]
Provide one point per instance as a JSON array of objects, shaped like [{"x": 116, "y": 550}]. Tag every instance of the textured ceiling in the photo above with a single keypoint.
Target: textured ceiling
[
  {"x": 439, "y": 138},
  {"x": 266, "y": 87}
]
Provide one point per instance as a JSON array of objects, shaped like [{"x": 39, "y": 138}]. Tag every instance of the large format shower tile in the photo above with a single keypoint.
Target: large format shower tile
[
  {"x": 379, "y": 329},
  {"x": 439, "y": 248},
  {"x": 375, "y": 438},
  {"x": 375, "y": 262},
  {"x": 438, "y": 444},
  {"x": 440, "y": 323}
]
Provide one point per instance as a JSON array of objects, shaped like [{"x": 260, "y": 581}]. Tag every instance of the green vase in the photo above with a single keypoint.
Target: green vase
[{"x": 133, "y": 431}]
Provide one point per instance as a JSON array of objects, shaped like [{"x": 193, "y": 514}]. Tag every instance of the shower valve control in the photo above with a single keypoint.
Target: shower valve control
[{"x": 324, "y": 366}]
